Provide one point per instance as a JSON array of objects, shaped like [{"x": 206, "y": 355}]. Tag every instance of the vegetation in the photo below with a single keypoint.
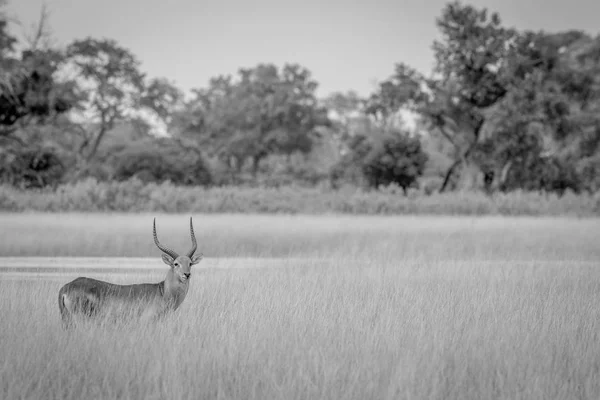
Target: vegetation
[
  {"x": 503, "y": 111},
  {"x": 303, "y": 237},
  {"x": 394, "y": 159},
  {"x": 454, "y": 304},
  {"x": 138, "y": 197},
  {"x": 440, "y": 308}
]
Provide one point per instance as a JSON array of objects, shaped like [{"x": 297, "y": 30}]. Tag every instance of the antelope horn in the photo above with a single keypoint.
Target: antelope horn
[
  {"x": 164, "y": 249},
  {"x": 194, "y": 243}
]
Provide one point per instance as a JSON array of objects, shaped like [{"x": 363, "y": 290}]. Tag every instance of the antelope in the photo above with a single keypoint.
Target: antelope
[{"x": 89, "y": 298}]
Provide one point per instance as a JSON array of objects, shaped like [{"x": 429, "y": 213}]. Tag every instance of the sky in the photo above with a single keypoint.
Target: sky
[{"x": 347, "y": 45}]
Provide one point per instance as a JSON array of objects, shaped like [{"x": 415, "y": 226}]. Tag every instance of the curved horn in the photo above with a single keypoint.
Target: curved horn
[
  {"x": 194, "y": 243},
  {"x": 164, "y": 249}
]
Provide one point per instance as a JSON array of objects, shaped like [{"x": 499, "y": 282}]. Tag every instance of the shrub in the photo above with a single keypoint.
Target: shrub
[
  {"x": 380, "y": 160},
  {"x": 153, "y": 160},
  {"x": 33, "y": 167},
  {"x": 589, "y": 171},
  {"x": 285, "y": 170},
  {"x": 396, "y": 158},
  {"x": 135, "y": 196}
]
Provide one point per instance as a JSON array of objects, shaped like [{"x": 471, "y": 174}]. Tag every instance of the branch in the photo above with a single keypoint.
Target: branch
[
  {"x": 86, "y": 138},
  {"x": 448, "y": 137},
  {"x": 105, "y": 126},
  {"x": 449, "y": 173},
  {"x": 41, "y": 32},
  {"x": 504, "y": 172},
  {"x": 8, "y": 135}
]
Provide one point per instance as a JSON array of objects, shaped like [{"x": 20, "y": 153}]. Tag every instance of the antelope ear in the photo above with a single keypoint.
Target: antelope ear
[
  {"x": 167, "y": 259},
  {"x": 196, "y": 259}
]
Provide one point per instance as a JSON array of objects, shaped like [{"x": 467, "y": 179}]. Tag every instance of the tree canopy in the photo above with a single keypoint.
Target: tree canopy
[{"x": 502, "y": 109}]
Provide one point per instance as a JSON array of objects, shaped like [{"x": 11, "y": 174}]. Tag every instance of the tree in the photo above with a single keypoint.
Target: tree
[
  {"x": 31, "y": 95},
  {"x": 349, "y": 167},
  {"x": 347, "y": 117},
  {"x": 113, "y": 85},
  {"x": 549, "y": 122},
  {"x": 9, "y": 96},
  {"x": 7, "y": 42},
  {"x": 508, "y": 102},
  {"x": 468, "y": 79},
  {"x": 29, "y": 89},
  {"x": 373, "y": 143},
  {"x": 265, "y": 111},
  {"x": 379, "y": 156},
  {"x": 395, "y": 158},
  {"x": 159, "y": 102},
  {"x": 152, "y": 160},
  {"x": 163, "y": 97}
]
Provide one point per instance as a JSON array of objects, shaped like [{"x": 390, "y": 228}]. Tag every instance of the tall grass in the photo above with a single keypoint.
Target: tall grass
[
  {"x": 320, "y": 236},
  {"x": 134, "y": 196},
  {"x": 391, "y": 308},
  {"x": 382, "y": 330}
]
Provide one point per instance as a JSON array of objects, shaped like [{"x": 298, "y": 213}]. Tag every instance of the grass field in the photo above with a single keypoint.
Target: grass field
[
  {"x": 353, "y": 237},
  {"x": 391, "y": 308}
]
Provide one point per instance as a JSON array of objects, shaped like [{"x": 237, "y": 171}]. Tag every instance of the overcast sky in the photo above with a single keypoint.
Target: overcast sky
[{"x": 346, "y": 44}]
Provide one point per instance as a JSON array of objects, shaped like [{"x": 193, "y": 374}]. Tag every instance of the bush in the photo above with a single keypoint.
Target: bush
[
  {"x": 135, "y": 196},
  {"x": 285, "y": 170},
  {"x": 34, "y": 167},
  {"x": 380, "y": 160},
  {"x": 153, "y": 160},
  {"x": 589, "y": 171},
  {"x": 396, "y": 158}
]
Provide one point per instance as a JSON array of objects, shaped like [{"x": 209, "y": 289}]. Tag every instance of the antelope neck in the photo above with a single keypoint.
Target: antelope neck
[{"x": 174, "y": 289}]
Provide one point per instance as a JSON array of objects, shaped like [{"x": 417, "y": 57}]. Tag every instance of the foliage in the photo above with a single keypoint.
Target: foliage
[
  {"x": 469, "y": 78},
  {"x": 7, "y": 42},
  {"x": 349, "y": 168},
  {"x": 589, "y": 173},
  {"x": 160, "y": 161},
  {"x": 495, "y": 89},
  {"x": 135, "y": 196},
  {"x": 31, "y": 167},
  {"x": 396, "y": 158},
  {"x": 30, "y": 92},
  {"x": 152, "y": 160},
  {"x": 266, "y": 111},
  {"x": 294, "y": 169},
  {"x": 550, "y": 119},
  {"x": 503, "y": 110},
  {"x": 375, "y": 157},
  {"x": 31, "y": 95},
  {"x": 163, "y": 97},
  {"x": 354, "y": 308},
  {"x": 112, "y": 83}
]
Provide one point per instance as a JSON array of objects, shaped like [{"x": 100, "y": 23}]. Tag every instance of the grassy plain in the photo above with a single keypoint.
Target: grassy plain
[
  {"x": 392, "y": 308},
  {"x": 330, "y": 236}
]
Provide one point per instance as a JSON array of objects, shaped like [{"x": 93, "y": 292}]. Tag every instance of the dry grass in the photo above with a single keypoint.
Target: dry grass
[
  {"x": 134, "y": 196},
  {"x": 362, "y": 237},
  {"x": 428, "y": 308}
]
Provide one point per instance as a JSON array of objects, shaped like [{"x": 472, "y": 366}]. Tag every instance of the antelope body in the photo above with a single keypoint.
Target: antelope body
[{"x": 88, "y": 298}]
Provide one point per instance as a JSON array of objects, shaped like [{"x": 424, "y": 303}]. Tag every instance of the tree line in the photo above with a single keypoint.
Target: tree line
[{"x": 502, "y": 110}]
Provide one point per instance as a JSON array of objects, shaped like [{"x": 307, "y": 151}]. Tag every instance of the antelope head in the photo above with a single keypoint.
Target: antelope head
[{"x": 180, "y": 265}]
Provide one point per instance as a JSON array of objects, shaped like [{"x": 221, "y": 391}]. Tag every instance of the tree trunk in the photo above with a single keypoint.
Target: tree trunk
[
  {"x": 464, "y": 159},
  {"x": 449, "y": 173},
  {"x": 106, "y": 124},
  {"x": 96, "y": 144},
  {"x": 255, "y": 164}
]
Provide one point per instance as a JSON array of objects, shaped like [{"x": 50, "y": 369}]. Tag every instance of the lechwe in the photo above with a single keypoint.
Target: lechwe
[{"x": 91, "y": 298}]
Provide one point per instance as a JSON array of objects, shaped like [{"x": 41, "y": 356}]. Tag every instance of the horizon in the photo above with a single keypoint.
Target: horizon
[{"x": 346, "y": 48}]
